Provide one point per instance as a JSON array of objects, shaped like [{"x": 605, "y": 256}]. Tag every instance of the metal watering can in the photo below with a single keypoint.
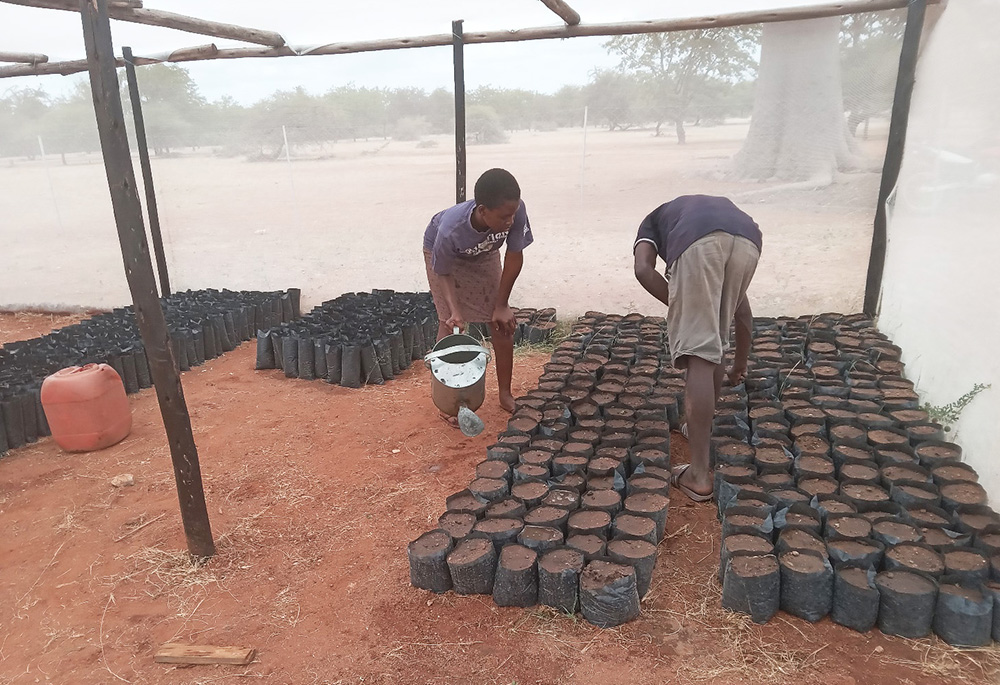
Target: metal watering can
[{"x": 458, "y": 379}]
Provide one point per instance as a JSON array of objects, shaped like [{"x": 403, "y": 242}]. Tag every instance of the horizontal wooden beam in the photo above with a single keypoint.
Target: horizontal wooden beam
[
  {"x": 123, "y": 11},
  {"x": 542, "y": 33},
  {"x": 26, "y": 57},
  {"x": 565, "y": 12}
]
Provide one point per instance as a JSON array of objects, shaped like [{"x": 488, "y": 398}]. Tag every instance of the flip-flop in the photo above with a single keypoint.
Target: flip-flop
[
  {"x": 675, "y": 481},
  {"x": 684, "y": 429}
]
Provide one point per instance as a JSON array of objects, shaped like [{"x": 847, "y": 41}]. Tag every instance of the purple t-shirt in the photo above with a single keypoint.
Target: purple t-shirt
[
  {"x": 450, "y": 236},
  {"x": 674, "y": 226}
]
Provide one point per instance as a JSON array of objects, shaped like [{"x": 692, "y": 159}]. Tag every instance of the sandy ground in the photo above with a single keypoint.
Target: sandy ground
[
  {"x": 350, "y": 216},
  {"x": 313, "y": 493}
]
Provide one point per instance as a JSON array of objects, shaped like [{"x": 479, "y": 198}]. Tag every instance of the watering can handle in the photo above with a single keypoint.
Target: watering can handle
[{"x": 457, "y": 348}]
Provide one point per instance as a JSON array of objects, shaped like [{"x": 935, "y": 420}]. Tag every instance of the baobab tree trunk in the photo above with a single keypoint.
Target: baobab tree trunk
[{"x": 797, "y": 129}]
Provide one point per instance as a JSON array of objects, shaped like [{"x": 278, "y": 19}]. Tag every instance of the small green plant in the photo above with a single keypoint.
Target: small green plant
[{"x": 947, "y": 414}]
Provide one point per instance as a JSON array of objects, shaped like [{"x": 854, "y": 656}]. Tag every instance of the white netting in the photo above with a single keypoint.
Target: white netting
[{"x": 342, "y": 207}]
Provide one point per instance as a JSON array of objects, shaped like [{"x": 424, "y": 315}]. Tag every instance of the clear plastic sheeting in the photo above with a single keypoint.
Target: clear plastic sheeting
[
  {"x": 941, "y": 278},
  {"x": 329, "y": 184}
]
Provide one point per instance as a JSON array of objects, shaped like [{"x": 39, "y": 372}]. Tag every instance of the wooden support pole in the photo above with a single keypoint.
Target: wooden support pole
[
  {"x": 627, "y": 28},
  {"x": 905, "y": 79},
  {"x": 139, "y": 274},
  {"x": 565, "y": 12},
  {"x": 25, "y": 57},
  {"x": 458, "y": 55},
  {"x": 123, "y": 11},
  {"x": 147, "y": 172}
]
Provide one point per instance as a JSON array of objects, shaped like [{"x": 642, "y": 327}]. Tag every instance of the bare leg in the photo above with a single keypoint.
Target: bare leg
[
  {"x": 700, "y": 394},
  {"x": 720, "y": 374},
  {"x": 503, "y": 353}
]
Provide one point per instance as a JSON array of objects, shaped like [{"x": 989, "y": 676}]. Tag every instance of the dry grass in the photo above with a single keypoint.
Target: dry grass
[{"x": 935, "y": 658}]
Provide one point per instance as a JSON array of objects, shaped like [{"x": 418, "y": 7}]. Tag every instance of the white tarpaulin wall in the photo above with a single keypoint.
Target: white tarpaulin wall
[{"x": 941, "y": 281}]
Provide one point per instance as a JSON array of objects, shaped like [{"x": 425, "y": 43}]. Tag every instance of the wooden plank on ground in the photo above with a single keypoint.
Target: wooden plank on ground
[{"x": 176, "y": 653}]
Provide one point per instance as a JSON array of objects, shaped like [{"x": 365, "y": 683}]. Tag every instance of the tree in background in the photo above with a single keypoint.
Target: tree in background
[
  {"x": 870, "y": 45},
  {"x": 21, "y": 110},
  {"x": 483, "y": 125},
  {"x": 677, "y": 69},
  {"x": 172, "y": 107},
  {"x": 797, "y": 129},
  {"x": 612, "y": 99}
]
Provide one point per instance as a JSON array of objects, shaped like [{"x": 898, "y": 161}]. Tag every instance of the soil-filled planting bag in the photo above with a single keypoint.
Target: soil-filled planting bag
[
  {"x": 384, "y": 355},
  {"x": 806, "y": 584},
  {"x": 632, "y": 527},
  {"x": 608, "y": 594},
  {"x": 27, "y": 400},
  {"x": 906, "y": 603},
  {"x": 640, "y": 555},
  {"x": 265, "y": 351},
  {"x": 319, "y": 357},
  {"x": 396, "y": 350},
  {"x": 307, "y": 365},
  {"x": 741, "y": 543},
  {"x": 963, "y": 614},
  {"x": 290, "y": 357},
  {"x": 350, "y": 374},
  {"x": 371, "y": 372},
  {"x": 650, "y": 505},
  {"x": 592, "y": 546},
  {"x": 914, "y": 556},
  {"x": 855, "y": 598},
  {"x": 516, "y": 582},
  {"x": 130, "y": 379},
  {"x": 859, "y": 552},
  {"x": 472, "y": 565},
  {"x": 747, "y": 519},
  {"x": 13, "y": 420},
  {"x": 993, "y": 588},
  {"x": 457, "y": 524},
  {"x": 752, "y": 586},
  {"x": 142, "y": 373},
  {"x": 506, "y": 508},
  {"x": 428, "y": 561},
  {"x": 559, "y": 579},
  {"x": 540, "y": 538},
  {"x": 500, "y": 530},
  {"x": 277, "y": 345},
  {"x": 966, "y": 565},
  {"x": 334, "y": 362}
]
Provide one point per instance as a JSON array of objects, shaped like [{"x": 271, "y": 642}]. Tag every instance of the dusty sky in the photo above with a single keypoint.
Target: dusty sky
[{"x": 544, "y": 66}]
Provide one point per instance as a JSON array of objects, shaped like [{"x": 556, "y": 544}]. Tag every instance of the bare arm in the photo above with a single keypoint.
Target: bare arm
[
  {"x": 503, "y": 315},
  {"x": 451, "y": 297},
  {"x": 647, "y": 275},
  {"x": 744, "y": 336}
]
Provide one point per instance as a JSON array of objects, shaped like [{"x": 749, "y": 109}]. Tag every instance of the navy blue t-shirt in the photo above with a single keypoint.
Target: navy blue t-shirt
[{"x": 674, "y": 226}]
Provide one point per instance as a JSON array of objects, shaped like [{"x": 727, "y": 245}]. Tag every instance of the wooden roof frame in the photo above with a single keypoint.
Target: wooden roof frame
[{"x": 131, "y": 10}]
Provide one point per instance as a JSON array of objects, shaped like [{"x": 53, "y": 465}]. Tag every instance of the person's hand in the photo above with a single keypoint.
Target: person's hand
[
  {"x": 736, "y": 374},
  {"x": 504, "y": 319},
  {"x": 456, "y": 321}
]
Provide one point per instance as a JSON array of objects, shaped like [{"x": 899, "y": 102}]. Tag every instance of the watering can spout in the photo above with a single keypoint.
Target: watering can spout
[{"x": 470, "y": 424}]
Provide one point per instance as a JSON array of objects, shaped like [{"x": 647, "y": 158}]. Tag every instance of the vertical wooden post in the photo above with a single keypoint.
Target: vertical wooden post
[
  {"x": 139, "y": 273},
  {"x": 905, "y": 78},
  {"x": 147, "y": 172},
  {"x": 458, "y": 50}
]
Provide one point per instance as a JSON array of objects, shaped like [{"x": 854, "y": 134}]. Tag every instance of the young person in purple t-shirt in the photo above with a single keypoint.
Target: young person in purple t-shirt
[
  {"x": 710, "y": 248},
  {"x": 462, "y": 257}
]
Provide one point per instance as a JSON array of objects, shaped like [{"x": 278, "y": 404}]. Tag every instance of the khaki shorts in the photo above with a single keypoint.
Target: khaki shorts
[{"x": 707, "y": 282}]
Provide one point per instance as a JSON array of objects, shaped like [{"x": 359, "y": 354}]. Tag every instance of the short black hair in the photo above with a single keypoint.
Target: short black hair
[{"x": 496, "y": 187}]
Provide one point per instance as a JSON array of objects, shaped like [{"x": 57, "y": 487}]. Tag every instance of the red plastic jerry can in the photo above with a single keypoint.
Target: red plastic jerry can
[{"x": 86, "y": 407}]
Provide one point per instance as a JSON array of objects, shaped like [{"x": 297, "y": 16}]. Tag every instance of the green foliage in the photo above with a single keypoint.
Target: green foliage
[
  {"x": 948, "y": 414},
  {"x": 483, "y": 125},
  {"x": 687, "y": 73},
  {"x": 870, "y": 45}
]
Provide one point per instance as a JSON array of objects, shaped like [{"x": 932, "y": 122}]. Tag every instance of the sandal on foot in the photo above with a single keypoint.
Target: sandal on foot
[{"x": 675, "y": 481}]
